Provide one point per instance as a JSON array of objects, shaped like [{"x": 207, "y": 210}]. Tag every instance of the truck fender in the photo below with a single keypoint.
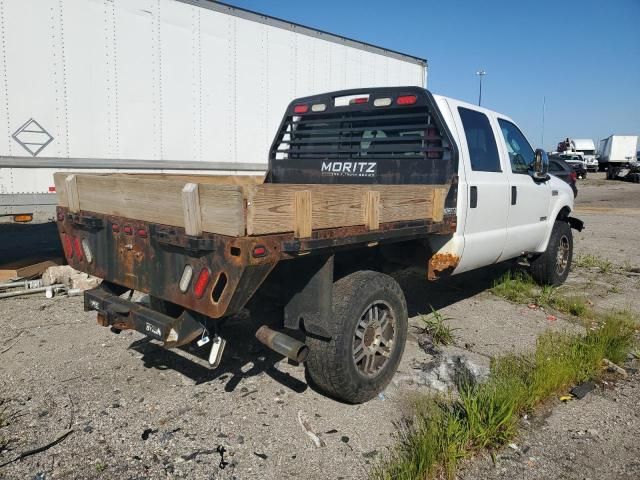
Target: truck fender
[{"x": 562, "y": 211}]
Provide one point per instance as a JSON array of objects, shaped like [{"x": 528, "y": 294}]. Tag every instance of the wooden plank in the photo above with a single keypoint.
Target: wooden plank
[
  {"x": 27, "y": 271},
  {"x": 73, "y": 198},
  {"x": 302, "y": 214},
  {"x": 270, "y": 207},
  {"x": 59, "y": 180},
  {"x": 371, "y": 210},
  {"x": 439, "y": 196},
  {"x": 191, "y": 208},
  {"x": 160, "y": 201},
  {"x": 222, "y": 208},
  {"x": 201, "y": 179}
]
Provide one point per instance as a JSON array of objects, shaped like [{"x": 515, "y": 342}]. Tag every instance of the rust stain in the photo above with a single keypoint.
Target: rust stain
[{"x": 441, "y": 262}]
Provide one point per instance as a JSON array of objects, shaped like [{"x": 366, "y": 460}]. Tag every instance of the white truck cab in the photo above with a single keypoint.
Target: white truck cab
[{"x": 503, "y": 210}]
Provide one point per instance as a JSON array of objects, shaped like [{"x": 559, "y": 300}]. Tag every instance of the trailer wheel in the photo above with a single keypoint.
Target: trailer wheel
[
  {"x": 369, "y": 330},
  {"x": 552, "y": 267}
]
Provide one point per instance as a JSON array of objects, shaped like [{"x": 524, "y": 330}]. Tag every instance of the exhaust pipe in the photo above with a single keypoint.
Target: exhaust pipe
[{"x": 283, "y": 344}]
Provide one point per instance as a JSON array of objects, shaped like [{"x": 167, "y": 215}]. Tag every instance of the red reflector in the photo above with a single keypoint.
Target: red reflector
[
  {"x": 128, "y": 230},
  {"x": 142, "y": 233},
  {"x": 202, "y": 282},
  {"x": 115, "y": 228},
  {"x": 407, "y": 100},
  {"x": 359, "y": 100},
  {"x": 301, "y": 108},
  {"x": 68, "y": 247},
  {"x": 77, "y": 248},
  {"x": 52, "y": 189},
  {"x": 259, "y": 251}
]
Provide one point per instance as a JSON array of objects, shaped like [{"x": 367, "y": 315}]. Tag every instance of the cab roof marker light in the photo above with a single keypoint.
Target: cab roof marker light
[
  {"x": 301, "y": 108},
  {"x": 406, "y": 100},
  {"x": 382, "y": 102},
  {"x": 318, "y": 107},
  {"x": 358, "y": 100}
]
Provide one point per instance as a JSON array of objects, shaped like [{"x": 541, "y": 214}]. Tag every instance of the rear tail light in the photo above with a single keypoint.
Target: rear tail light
[
  {"x": 202, "y": 282},
  {"x": 185, "y": 279},
  {"x": 406, "y": 100},
  {"x": 128, "y": 229},
  {"x": 259, "y": 251},
  {"x": 358, "y": 100},
  {"x": 142, "y": 233},
  {"x": 68, "y": 246},
  {"x": 573, "y": 176},
  {"x": 301, "y": 108},
  {"x": 77, "y": 248},
  {"x": 87, "y": 251},
  {"x": 115, "y": 228},
  {"x": 382, "y": 102}
]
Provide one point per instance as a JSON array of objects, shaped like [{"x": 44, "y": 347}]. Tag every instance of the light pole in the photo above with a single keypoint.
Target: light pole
[
  {"x": 480, "y": 73},
  {"x": 544, "y": 103}
]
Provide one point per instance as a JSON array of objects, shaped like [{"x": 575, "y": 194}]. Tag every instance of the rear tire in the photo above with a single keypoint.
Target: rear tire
[
  {"x": 552, "y": 267},
  {"x": 369, "y": 330}
]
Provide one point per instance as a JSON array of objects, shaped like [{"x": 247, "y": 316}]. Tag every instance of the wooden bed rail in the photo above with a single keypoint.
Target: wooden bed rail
[{"x": 242, "y": 205}]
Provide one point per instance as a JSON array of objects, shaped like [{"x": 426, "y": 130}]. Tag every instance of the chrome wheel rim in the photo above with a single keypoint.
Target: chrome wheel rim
[
  {"x": 373, "y": 338},
  {"x": 562, "y": 258}
]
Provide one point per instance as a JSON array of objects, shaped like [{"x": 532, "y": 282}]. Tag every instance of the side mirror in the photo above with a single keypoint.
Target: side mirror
[{"x": 541, "y": 165}]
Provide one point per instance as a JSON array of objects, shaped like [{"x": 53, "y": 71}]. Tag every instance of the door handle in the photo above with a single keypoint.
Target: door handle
[
  {"x": 514, "y": 195},
  {"x": 473, "y": 200}
]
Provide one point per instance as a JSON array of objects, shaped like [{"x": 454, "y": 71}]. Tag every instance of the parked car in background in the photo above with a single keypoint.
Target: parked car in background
[
  {"x": 564, "y": 171},
  {"x": 588, "y": 150},
  {"x": 577, "y": 163}
]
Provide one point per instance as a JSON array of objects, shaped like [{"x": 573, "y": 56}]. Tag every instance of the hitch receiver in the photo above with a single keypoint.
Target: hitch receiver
[{"x": 122, "y": 314}]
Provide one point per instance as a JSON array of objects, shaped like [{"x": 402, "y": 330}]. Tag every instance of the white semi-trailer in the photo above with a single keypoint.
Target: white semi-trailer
[
  {"x": 618, "y": 149},
  {"x": 158, "y": 85}
]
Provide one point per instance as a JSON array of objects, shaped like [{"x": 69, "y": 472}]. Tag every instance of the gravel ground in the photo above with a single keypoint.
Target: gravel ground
[{"x": 138, "y": 411}]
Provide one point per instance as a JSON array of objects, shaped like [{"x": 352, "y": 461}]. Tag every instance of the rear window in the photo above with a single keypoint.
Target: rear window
[
  {"x": 483, "y": 151},
  {"x": 395, "y": 133}
]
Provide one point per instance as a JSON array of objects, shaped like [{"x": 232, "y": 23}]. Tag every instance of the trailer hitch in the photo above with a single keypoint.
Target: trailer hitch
[{"x": 121, "y": 314}]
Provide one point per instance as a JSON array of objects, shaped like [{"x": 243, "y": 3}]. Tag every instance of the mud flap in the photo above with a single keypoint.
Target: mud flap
[
  {"x": 575, "y": 223},
  {"x": 309, "y": 290}
]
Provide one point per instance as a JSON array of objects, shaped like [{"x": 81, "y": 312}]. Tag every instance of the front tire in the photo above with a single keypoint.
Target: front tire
[
  {"x": 369, "y": 331},
  {"x": 552, "y": 267}
]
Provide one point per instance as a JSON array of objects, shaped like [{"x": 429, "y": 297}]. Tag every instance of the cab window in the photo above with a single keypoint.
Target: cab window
[
  {"x": 521, "y": 155},
  {"x": 483, "y": 151}
]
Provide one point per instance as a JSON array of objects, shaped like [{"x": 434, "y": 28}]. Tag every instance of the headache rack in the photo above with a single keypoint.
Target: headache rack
[{"x": 378, "y": 135}]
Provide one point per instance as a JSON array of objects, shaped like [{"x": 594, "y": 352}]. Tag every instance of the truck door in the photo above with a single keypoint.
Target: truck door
[
  {"x": 487, "y": 187},
  {"x": 528, "y": 199}
]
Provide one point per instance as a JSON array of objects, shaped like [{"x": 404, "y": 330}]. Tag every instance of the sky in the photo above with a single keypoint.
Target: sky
[{"x": 583, "y": 56}]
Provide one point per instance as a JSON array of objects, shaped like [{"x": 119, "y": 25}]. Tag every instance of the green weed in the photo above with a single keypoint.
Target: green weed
[
  {"x": 435, "y": 324},
  {"x": 594, "y": 261},
  {"x": 485, "y": 416},
  {"x": 519, "y": 287},
  {"x": 100, "y": 467}
]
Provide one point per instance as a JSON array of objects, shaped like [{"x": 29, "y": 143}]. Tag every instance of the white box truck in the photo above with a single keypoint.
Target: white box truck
[
  {"x": 587, "y": 148},
  {"x": 617, "y": 152},
  {"x": 158, "y": 85}
]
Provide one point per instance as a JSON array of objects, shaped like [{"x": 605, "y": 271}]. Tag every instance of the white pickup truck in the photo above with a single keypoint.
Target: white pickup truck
[{"x": 360, "y": 182}]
